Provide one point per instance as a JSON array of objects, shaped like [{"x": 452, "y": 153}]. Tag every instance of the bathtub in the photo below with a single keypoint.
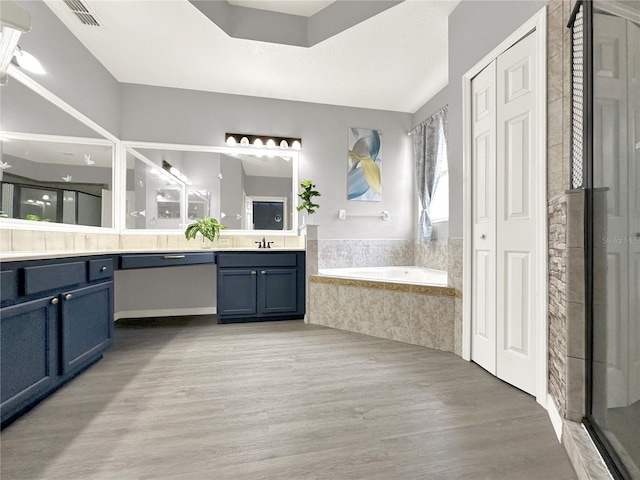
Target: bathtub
[
  {"x": 407, "y": 275},
  {"x": 406, "y": 304}
]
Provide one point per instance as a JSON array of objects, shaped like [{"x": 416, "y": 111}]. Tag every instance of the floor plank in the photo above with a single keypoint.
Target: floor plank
[{"x": 184, "y": 398}]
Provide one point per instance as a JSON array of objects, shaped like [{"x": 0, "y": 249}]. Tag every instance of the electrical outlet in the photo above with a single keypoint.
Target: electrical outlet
[
  {"x": 223, "y": 241},
  {"x": 342, "y": 214}
]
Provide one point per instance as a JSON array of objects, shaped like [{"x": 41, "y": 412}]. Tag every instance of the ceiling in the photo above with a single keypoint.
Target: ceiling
[
  {"x": 304, "y": 8},
  {"x": 395, "y": 60}
]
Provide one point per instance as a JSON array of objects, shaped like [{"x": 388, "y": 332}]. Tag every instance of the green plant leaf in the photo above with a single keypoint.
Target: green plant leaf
[
  {"x": 307, "y": 195},
  {"x": 208, "y": 227}
]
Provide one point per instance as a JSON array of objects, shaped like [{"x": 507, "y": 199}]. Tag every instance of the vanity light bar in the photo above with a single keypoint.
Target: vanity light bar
[
  {"x": 261, "y": 141},
  {"x": 175, "y": 172}
]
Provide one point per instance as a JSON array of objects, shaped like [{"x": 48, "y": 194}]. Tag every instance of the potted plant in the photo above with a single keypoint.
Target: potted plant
[
  {"x": 207, "y": 227},
  {"x": 308, "y": 192}
]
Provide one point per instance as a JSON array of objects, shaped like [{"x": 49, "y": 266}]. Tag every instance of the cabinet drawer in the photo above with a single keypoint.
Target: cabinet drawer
[
  {"x": 165, "y": 259},
  {"x": 50, "y": 277},
  {"x": 241, "y": 260},
  {"x": 99, "y": 269},
  {"x": 8, "y": 285}
]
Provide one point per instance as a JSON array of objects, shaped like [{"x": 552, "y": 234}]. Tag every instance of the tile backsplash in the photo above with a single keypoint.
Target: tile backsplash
[{"x": 18, "y": 240}]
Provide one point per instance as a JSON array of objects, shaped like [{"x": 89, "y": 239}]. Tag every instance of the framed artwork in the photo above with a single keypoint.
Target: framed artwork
[{"x": 364, "y": 160}]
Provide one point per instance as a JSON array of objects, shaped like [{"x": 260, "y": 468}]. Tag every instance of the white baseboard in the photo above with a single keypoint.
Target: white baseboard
[
  {"x": 554, "y": 416},
  {"x": 165, "y": 312}
]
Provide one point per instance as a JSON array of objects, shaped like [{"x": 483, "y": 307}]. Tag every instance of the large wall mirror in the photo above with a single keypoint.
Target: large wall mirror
[
  {"x": 50, "y": 180},
  {"x": 170, "y": 187},
  {"x": 53, "y": 167}
]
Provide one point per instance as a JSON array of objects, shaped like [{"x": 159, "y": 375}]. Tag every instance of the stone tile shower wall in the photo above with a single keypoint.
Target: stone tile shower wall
[
  {"x": 566, "y": 318},
  {"x": 557, "y": 303}
]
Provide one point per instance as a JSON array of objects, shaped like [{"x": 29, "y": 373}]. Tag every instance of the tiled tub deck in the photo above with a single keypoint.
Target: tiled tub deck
[{"x": 417, "y": 314}]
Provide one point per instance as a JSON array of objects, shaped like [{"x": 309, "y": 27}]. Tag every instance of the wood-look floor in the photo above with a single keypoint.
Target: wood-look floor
[{"x": 187, "y": 399}]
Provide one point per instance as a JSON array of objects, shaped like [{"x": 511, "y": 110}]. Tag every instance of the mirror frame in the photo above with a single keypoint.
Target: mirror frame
[
  {"x": 106, "y": 138},
  {"x": 133, "y": 145}
]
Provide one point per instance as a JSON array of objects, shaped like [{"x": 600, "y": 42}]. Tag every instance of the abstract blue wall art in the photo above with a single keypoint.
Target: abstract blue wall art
[{"x": 365, "y": 163}]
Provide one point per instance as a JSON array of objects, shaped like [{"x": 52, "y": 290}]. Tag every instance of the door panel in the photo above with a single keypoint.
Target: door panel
[
  {"x": 484, "y": 166},
  {"x": 483, "y": 306},
  {"x": 28, "y": 343},
  {"x": 278, "y": 292},
  {"x": 517, "y": 302},
  {"x": 516, "y": 155},
  {"x": 504, "y": 263},
  {"x": 237, "y": 292},
  {"x": 518, "y": 179},
  {"x": 87, "y": 324}
]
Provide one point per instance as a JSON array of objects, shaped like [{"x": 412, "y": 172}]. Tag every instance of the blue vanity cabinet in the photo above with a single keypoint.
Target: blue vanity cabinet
[
  {"x": 86, "y": 325},
  {"x": 237, "y": 292},
  {"x": 56, "y": 320},
  {"x": 254, "y": 286},
  {"x": 279, "y": 291},
  {"x": 28, "y": 337}
]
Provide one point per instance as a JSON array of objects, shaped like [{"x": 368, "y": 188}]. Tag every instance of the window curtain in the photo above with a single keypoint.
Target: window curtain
[{"x": 429, "y": 150}]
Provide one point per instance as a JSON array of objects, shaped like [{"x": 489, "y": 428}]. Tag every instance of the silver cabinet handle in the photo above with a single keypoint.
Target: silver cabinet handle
[
  {"x": 253, "y": 272},
  {"x": 103, "y": 269},
  {"x": 54, "y": 301},
  {"x": 68, "y": 296},
  {"x": 174, "y": 257},
  {"x": 263, "y": 272}
]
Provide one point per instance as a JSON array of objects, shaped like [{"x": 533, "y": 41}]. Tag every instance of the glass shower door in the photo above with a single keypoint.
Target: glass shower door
[{"x": 615, "y": 359}]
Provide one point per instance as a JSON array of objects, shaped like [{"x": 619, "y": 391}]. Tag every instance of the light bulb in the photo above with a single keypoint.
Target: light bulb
[
  {"x": 271, "y": 143},
  {"x": 231, "y": 141},
  {"x": 258, "y": 143},
  {"x": 244, "y": 141},
  {"x": 29, "y": 62},
  {"x": 296, "y": 145},
  {"x": 284, "y": 145}
]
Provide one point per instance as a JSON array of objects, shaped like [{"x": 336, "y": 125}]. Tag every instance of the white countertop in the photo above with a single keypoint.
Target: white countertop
[{"x": 18, "y": 256}]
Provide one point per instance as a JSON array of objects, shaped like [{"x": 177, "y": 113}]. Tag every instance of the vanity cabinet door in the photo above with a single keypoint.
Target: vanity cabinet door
[
  {"x": 27, "y": 353},
  {"x": 87, "y": 325},
  {"x": 237, "y": 292},
  {"x": 277, "y": 291}
]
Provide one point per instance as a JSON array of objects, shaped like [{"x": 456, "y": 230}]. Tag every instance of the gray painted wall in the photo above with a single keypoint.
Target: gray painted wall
[
  {"x": 202, "y": 118},
  {"x": 23, "y": 110},
  {"x": 136, "y": 112},
  {"x": 73, "y": 74},
  {"x": 475, "y": 28}
]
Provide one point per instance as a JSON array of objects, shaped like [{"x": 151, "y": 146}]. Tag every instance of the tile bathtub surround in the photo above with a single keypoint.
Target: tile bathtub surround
[
  {"x": 364, "y": 253},
  {"x": 420, "y": 315},
  {"x": 432, "y": 255},
  {"x": 454, "y": 262}
]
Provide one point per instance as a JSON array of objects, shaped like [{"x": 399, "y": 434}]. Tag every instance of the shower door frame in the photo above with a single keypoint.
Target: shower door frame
[{"x": 614, "y": 463}]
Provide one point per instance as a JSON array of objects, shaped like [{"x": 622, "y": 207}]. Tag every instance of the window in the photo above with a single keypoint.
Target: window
[{"x": 439, "y": 208}]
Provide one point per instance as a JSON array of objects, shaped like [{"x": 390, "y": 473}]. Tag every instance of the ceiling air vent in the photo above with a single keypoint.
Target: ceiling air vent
[{"x": 82, "y": 12}]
